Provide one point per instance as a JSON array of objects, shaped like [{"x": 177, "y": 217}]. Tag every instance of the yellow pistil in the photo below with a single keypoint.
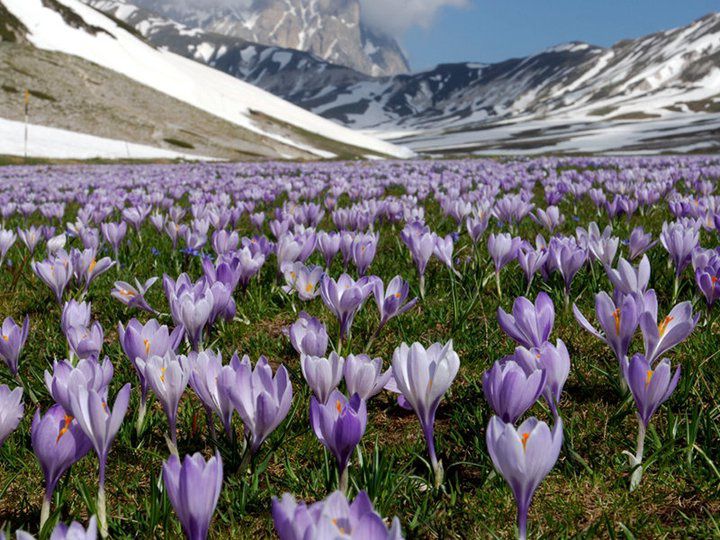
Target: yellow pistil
[
  {"x": 397, "y": 295},
  {"x": 662, "y": 327},
  {"x": 92, "y": 266},
  {"x": 147, "y": 346},
  {"x": 125, "y": 292},
  {"x": 648, "y": 377},
  {"x": 616, "y": 316},
  {"x": 524, "y": 439},
  {"x": 338, "y": 406},
  {"x": 6, "y": 338},
  {"x": 162, "y": 370},
  {"x": 65, "y": 428},
  {"x": 309, "y": 288}
]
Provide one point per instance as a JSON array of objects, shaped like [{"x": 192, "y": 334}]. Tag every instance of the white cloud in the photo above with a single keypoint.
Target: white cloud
[{"x": 395, "y": 17}]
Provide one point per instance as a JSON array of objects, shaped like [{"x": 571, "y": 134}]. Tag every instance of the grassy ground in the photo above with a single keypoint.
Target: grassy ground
[{"x": 585, "y": 496}]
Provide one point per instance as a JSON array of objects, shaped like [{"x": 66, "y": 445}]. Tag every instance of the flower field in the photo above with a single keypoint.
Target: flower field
[{"x": 419, "y": 349}]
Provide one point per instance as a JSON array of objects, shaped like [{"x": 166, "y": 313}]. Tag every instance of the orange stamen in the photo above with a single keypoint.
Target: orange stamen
[
  {"x": 338, "y": 406},
  {"x": 65, "y": 428},
  {"x": 147, "y": 346},
  {"x": 616, "y": 316},
  {"x": 524, "y": 439},
  {"x": 662, "y": 327},
  {"x": 648, "y": 377}
]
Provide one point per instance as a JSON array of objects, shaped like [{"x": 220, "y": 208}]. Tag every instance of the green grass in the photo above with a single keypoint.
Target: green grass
[{"x": 585, "y": 496}]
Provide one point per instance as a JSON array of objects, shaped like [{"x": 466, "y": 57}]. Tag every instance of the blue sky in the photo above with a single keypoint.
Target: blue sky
[{"x": 493, "y": 30}]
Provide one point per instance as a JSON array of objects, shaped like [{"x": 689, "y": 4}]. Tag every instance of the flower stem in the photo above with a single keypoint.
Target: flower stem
[
  {"x": 497, "y": 284},
  {"x": 676, "y": 288},
  {"x": 101, "y": 505},
  {"x": 637, "y": 473},
  {"x": 522, "y": 523},
  {"x": 45, "y": 510},
  {"x": 344, "y": 478},
  {"x": 142, "y": 410}
]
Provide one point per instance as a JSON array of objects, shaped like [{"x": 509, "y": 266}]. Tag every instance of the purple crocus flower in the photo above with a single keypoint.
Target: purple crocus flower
[
  {"x": 323, "y": 375},
  {"x": 11, "y": 410},
  {"x": 679, "y": 241},
  {"x": 421, "y": 243},
  {"x": 670, "y": 331},
  {"x": 261, "y": 400},
  {"x": 193, "y": 487},
  {"x": 618, "y": 322},
  {"x": 554, "y": 361},
  {"x": 75, "y": 314},
  {"x": 12, "y": 342},
  {"x": 344, "y": 298},
  {"x": 524, "y": 457},
  {"x": 530, "y": 261},
  {"x": 650, "y": 388},
  {"x": 364, "y": 248},
  {"x": 30, "y": 237},
  {"x": 75, "y": 531},
  {"x": 639, "y": 242},
  {"x": 101, "y": 425},
  {"x": 364, "y": 375},
  {"x": 707, "y": 279},
  {"x": 503, "y": 249},
  {"x": 88, "y": 373},
  {"x": 339, "y": 424},
  {"x": 423, "y": 376},
  {"x": 7, "y": 239},
  {"x": 58, "y": 443},
  {"x": 140, "y": 341},
  {"x": 168, "y": 376},
  {"x": 302, "y": 279},
  {"x": 86, "y": 266},
  {"x": 393, "y": 301},
  {"x": 207, "y": 379},
  {"x": 114, "y": 234},
  {"x": 331, "y": 518},
  {"x": 477, "y": 224},
  {"x": 85, "y": 342},
  {"x": 529, "y": 325},
  {"x": 443, "y": 250},
  {"x": 328, "y": 244},
  {"x": 568, "y": 258},
  {"x": 550, "y": 218},
  {"x": 134, "y": 296},
  {"x": 56, "y": 273},
  {"x": 191, "y": 306},
  {"x": 308, "y": 336},
  {"x": 510, "y": 391},
  {"x": 630, "y": 280}
]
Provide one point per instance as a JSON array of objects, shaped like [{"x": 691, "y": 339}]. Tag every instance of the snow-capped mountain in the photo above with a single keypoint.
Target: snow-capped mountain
[
  {"x": 262, "y": 123},
  {"x": 570, "y": 89},
  {"x": 330, "y": 29}
]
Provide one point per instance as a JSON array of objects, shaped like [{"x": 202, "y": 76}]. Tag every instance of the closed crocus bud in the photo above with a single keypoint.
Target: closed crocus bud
[
  {"x": 639, "y": 242},
  {"x": 364, "y": 375},
  {"x": 193, "y": 312},
  {"x": 510, "y": 391},
  {"x": 529, "y": 325},
  {"x": 339, "y": 425},
  {"x": 329, "y": 245},
  {"x": 308, "y": 336},
  {"x": 423, "y": 376},
  {"x": 630, "y": 280},
  {"x": 193, "y": 487},
  {"x": 58, "y": 443},
  {"x": 261, "y": 400},
  {"x": 12, "y": 342},
  {"x": 11, "y": 410},
  {"x": 679, "y": 241},
  {"x": 364, "y": 248},
  {"x": 524, "y": 457},
  {"x": 503, "y": 249},
  {"x": 168, "y": 376},
  {"x": 56, "y": 243},
  {"x": 323, "y": 375},
  {"x": 88, "y": 373}
]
